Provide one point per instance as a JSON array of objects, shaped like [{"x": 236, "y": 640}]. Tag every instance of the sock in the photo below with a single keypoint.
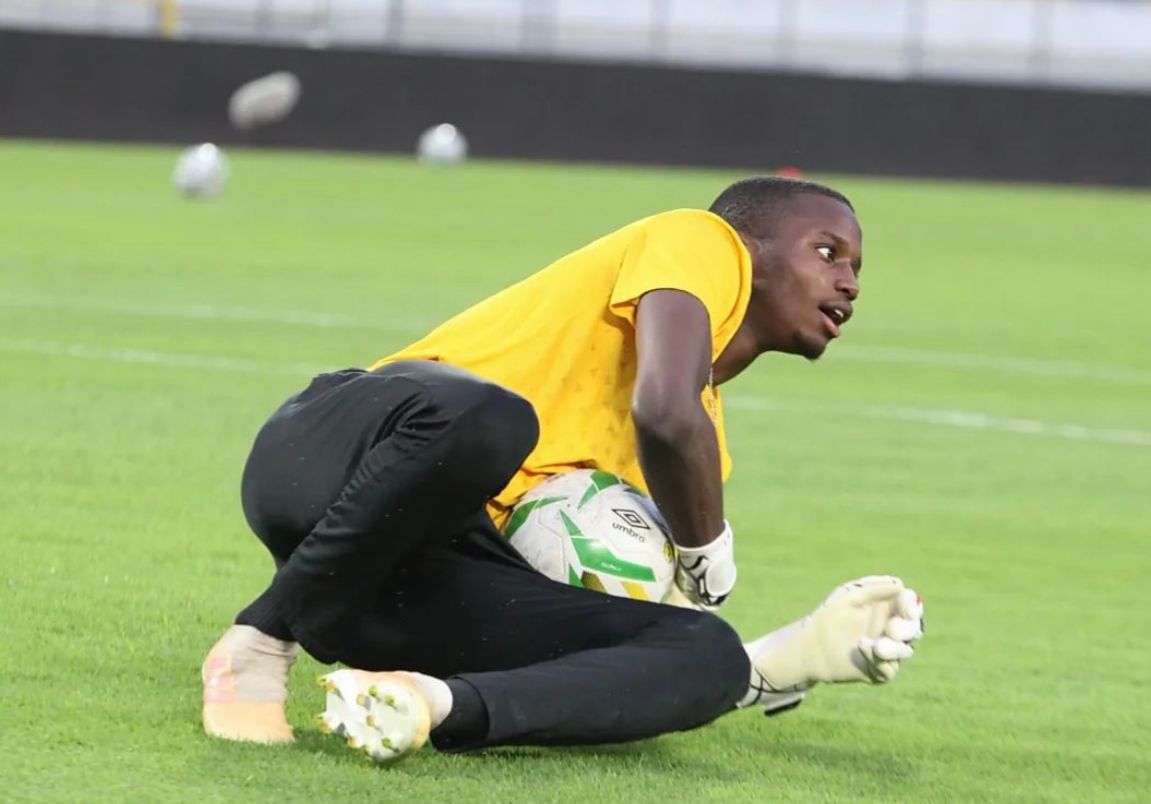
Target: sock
[
  {"x": 264, "y": 615},
  {"x": 248, "y": 665},
  {"x": 467, "y": 722},
  {"x": 436, "y": 692}
]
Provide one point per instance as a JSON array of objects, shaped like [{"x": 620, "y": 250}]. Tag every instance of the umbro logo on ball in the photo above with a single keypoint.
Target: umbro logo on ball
[{"x": 631, "y": 518}]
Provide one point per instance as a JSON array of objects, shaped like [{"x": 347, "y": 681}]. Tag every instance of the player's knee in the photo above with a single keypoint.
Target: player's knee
[
  {"x": 501, "y": 429},
  {"x": 721, "y": 653}
]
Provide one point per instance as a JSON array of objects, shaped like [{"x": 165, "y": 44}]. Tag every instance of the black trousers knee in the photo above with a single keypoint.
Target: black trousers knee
[
  {"x": 351, "y": 474},
  {"x": 369, "y": 491}
]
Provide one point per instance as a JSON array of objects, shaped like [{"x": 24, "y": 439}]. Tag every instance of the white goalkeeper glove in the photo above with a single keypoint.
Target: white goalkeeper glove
[
  {"x": 862, "y": 632},
  {"x": 706, "y": 575}
]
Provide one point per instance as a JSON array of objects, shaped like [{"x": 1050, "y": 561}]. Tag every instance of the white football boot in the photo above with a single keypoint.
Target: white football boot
[{"x": 385, "y": 715}]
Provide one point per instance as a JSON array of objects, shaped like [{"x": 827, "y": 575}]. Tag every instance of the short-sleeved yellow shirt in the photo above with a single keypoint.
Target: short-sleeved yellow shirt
[{"x": 564, "y": 338}]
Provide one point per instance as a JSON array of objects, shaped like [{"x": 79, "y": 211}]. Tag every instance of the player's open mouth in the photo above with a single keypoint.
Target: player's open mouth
[{"x": 835, "y": 315}]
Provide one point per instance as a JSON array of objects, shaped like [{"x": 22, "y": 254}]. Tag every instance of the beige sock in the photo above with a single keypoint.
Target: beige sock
[{"x": 248, "y": 665}]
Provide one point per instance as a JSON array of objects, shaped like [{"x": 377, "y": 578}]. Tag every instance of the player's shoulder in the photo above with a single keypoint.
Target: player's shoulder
[
  {"x": 696, "y": 225},
  {"x": 695, "y": 219}
]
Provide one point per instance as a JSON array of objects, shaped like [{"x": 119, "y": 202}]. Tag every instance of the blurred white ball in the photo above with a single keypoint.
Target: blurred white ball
[
  {"x": 442, "y": 145},
  {"x": 201, "y": 172},
  {"x": 264, "y": 100}
]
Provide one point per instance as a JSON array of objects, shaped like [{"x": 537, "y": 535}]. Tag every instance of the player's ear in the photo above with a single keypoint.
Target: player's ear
[
  {"x": 754, "y": 245},
  {"x": 762, "y": 250}
]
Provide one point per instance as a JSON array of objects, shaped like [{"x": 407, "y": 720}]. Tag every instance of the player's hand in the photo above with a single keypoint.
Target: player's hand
[
  {"x": 883, "y": 655},
  {"x": 676, "y": 598},
  {"x": 862, "y": 632},
  {"x": 706, "y": 575}
]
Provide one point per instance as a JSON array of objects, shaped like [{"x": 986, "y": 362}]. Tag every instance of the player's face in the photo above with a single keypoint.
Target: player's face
[{"x": 806, "y": 276}]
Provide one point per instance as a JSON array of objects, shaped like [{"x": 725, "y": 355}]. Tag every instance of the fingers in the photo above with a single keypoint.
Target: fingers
[
  {"x": 879, "y": 669},
  {"x": 877, "y": 580},
  {"x": 896, "y": 621},
  {"x": 910, "y": 605},
  {"x": 887, "y": 649},
  {"x": 675, "y": 597},
  {"x": 907, "y": 623},
  {"x": 885, "y": 671},
  {"x": 873, "y": 589},
  {"x": 903, "y": 630}
]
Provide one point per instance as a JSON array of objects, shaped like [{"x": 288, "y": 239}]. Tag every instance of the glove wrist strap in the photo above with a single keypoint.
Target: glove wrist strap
[
  {"x": 720, "y": 544},
  {"x": 773, "y": 701}
]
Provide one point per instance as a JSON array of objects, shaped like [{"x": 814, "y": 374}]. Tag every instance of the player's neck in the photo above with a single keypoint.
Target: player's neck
[{"x": 739, "y": 353}]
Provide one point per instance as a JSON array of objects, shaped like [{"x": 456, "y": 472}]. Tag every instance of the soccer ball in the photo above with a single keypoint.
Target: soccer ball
[
  {"x": 589, "y": 528},
  {"x": 201, "y": 172},
  {"x": 265, "y": 100},
  {"x": 442, "y": 145}
]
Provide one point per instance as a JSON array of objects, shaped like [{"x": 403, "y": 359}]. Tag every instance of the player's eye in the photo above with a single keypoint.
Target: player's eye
[{"x": 827, "y": 252}]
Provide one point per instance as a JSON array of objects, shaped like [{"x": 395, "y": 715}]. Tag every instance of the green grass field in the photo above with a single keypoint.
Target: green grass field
[{"x": 983, "y": 429}]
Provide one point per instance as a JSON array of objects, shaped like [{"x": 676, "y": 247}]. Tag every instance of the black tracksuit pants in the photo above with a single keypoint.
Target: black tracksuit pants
[{"x": 369, "y": 490}]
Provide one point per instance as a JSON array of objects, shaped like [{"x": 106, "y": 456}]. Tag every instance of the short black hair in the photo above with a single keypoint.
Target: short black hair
[{"x": 752, "y": 205}]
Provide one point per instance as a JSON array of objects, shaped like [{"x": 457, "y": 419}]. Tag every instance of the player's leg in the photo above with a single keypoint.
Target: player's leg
[
  {"x": 505, "y": 656},
  {"x": 342, "y": 481},
  {"x": 446, "y": 444},
  {"x": 531, "y": 661},
  {"x": 245, "y": 674}
]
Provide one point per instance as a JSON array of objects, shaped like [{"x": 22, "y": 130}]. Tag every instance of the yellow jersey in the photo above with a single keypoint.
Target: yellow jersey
[{"x": 564, "y": 339}]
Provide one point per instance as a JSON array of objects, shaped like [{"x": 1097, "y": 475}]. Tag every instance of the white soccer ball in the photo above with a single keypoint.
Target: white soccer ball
[
  {"x": 589, "y": 528},
  {"x": 442, "y": 145},
  {"x": 201, "y": 172},
  {"x": 264, "y": 100}
]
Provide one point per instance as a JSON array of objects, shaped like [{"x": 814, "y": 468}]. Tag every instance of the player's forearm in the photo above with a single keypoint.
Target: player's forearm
[{"x": 679, "y": 454}]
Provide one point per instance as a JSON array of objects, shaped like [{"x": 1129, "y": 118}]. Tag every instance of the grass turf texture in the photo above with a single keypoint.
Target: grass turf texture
[{"x": 144, "y": 339}]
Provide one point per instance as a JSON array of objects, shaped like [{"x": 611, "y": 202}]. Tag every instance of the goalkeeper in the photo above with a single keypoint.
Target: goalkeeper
[{"x": 380, "y": 495}]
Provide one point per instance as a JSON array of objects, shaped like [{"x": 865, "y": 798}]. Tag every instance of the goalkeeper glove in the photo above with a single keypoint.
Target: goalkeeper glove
[
  {"x": 861, "y": 632},
  {"x": 706, "y": 575}
]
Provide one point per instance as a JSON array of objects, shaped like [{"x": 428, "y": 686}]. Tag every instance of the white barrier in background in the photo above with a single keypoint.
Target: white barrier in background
[{"x": 1099, "y": 43}]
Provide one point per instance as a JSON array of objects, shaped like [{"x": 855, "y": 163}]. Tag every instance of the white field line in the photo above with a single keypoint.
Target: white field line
[
  {"x": 981, "y": 421},
  {"x": 148, "y": 357},
  {"x": 965, "y": 419},
  {"x": 214, "y": 312},
  {"x": 1006, "y": 365},
  {"x": 874, "y": 354},
  {"x": 931, "y": 416}
]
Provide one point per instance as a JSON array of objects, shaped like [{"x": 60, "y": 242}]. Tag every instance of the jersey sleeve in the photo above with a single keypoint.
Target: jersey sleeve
[{"x": 688, "y": 250}]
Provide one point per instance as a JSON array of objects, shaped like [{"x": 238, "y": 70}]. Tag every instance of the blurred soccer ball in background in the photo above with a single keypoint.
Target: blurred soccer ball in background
[
  {"x": 265, "y": 100},
  {"x": 591, "y": 529},
  {"x": 201, "y": 172},
  {"x": 442, "y": 145}
]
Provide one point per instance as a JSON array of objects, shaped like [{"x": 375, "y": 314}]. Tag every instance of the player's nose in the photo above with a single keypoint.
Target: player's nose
[{"x": 847, "y": 283}]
